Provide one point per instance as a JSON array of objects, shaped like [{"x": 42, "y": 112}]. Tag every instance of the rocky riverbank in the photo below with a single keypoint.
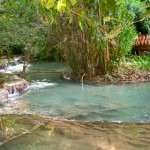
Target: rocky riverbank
[
  {"x": 137, "y": 76},
  {"x": 118, "y": 77}
]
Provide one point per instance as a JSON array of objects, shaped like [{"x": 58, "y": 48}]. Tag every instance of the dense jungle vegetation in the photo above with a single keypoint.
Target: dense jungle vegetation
[{"x": 94, "y": 37}]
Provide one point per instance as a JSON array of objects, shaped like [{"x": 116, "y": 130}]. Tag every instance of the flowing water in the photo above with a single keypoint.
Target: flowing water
[
  {"x": 56, "y": 97},
  {"x": 52, "y": 96}
]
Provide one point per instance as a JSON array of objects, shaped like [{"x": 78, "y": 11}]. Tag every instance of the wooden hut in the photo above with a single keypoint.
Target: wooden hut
[{"x": 142, "y": 44}]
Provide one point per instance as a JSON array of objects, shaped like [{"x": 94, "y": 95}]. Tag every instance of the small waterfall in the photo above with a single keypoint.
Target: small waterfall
[
  {"x": 15, "y": 88},
  {"x": 13, "y": 92},
  {"x": 14, "y": 85}
]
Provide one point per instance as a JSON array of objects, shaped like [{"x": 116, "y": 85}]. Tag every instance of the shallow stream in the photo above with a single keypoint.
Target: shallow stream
[{"x": 52, "y": 96}]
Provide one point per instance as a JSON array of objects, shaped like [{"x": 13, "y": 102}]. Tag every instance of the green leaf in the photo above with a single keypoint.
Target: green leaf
[
  {"x": 73, "y": 2},
  {"x": 50, "y": 4},
  {"x": 80, "y": 24},
  {"x": 107, "y": 19},
  {"x": 70, "y": 18},
  {"x": 61, "y": 5},
  {"x": 107, "y": 5}
]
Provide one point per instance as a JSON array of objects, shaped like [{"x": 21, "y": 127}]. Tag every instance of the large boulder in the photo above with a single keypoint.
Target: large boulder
[
  {"x": 18, "y": 86},
  {"x": 10, "y": 89}
]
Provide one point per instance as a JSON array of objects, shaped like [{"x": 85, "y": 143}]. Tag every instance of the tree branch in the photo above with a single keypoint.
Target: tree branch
[{"x": 22, "y": 134}]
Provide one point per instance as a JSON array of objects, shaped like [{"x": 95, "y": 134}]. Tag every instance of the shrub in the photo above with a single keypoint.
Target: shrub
[{"x": 16, "y": 49}]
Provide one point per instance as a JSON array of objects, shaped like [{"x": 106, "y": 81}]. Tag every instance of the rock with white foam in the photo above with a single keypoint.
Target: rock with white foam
[
  {"x": 16, "y": 87},
  {"x": 40, "y": 85}
]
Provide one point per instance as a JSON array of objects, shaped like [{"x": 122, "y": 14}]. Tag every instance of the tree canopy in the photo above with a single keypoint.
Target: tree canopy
[{"x": 92, "y": 36}]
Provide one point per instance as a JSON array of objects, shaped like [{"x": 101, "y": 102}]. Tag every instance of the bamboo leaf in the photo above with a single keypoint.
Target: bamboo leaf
[
  {"x": 70, "y": 18},
  {"x": 107, "y": 19},
  {"x": 61, "y": 5},
  {"x": 50, "y": 4},
  {"x": 73, "y": 2}
]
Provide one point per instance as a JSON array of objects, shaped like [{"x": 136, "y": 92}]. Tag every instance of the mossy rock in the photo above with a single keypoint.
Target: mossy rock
[{"x": 3, "y": 63}]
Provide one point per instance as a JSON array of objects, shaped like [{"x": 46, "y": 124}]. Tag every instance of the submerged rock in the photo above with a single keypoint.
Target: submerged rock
[{"x": 46, "y": 133}]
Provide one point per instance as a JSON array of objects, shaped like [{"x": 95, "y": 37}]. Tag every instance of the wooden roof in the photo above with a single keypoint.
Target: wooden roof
[{"x": 142, "y": 41}]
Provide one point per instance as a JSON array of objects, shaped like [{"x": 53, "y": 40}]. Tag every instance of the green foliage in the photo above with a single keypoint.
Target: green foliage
[
  {"x": 127, "y": 40},
  {"x": 7, "y": 126},
  {"x": 16, "y": 49},
  {"x": 99, "y": 33},
  {"x": 1, "y": 52},
  {"x": 20, "y": 25},
  {"x": 139, "y": 62},
  {"x": 93, "y": 36},
  {"x": 140, "y": 13}
]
